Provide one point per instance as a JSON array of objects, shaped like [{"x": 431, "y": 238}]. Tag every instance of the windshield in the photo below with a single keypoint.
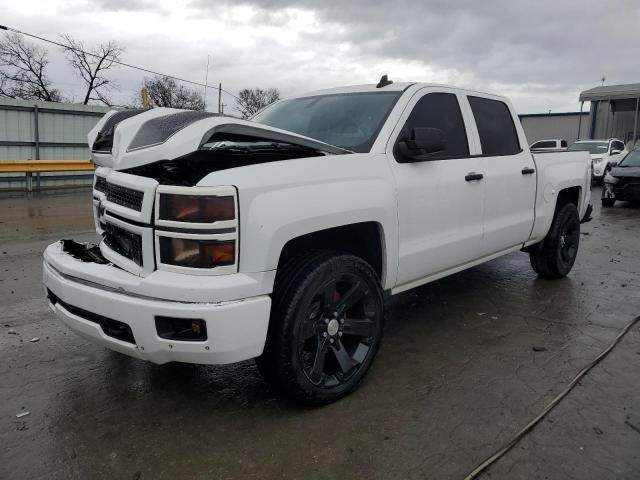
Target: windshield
[
  {"x": 349, "y": 120},
  {"x": 631, "y": 160},
  {"x": 591, "y": 147}
]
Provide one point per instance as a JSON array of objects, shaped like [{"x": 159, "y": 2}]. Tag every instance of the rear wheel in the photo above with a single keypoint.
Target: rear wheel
[
  {"x": 555, "y": 256},
  {"x": 325, "y": 327}
]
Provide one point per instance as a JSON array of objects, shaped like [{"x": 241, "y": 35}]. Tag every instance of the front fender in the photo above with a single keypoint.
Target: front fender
[
  {"x": 274, "y": 218},
  {"x": 285, "y": 200}
]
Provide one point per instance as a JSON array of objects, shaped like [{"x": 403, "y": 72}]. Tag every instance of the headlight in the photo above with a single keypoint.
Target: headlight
[
  {"x": 597, "y": 160},
  {"x": 196, "y": 208},
  {"x": 193, "y": 253},
  {"x": 196, "y": 229}
]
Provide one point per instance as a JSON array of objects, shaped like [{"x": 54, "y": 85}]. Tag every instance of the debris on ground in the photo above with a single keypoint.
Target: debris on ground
[
  {"x": 633, "y": 422},
  {"x": 12, "y": 332},
  {"x": 539, "y": 349},
  {"x": 34, "y": 340},
  {"x": 22, "y": 414}
]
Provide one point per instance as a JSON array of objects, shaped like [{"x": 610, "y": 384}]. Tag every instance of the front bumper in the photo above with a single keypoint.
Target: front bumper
[{"x": 236, "y": 329}]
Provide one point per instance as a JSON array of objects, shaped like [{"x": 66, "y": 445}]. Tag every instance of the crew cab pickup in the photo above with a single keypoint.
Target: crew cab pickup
[{"x": 278, "y": 238}]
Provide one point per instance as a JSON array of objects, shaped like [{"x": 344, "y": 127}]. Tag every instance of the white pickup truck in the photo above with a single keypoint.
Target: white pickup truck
[{"x": 278, "y": 238}]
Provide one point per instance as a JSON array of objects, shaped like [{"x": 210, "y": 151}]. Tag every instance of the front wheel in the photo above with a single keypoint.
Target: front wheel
[
  {"x": 555, "y": 256},
  {"x": 325, "y": 327}
]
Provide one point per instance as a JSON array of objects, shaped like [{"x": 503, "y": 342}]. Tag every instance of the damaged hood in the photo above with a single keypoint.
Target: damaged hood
[{"x": 133, "y": 138}]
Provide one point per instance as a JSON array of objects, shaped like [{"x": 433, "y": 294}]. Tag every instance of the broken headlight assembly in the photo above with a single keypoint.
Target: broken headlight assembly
[{"x": 197, "y": 229}]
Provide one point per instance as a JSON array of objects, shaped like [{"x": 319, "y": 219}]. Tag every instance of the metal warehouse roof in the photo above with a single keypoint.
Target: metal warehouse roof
[{"x": 611, "y": 92}]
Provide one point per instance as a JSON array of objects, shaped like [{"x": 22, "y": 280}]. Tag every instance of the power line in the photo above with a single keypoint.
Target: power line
[{"x": 113, "y": 60}]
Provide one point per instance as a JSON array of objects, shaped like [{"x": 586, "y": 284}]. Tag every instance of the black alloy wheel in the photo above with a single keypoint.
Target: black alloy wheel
[
  {"x": 555, "y": 255},
  {"x": 338, "y": 331},
  {"x": 569, "y": 241},
  {"x": 325, "y": 327}
]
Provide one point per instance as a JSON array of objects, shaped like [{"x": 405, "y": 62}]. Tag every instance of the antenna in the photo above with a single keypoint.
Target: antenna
[{"x": 384, "y": 81}]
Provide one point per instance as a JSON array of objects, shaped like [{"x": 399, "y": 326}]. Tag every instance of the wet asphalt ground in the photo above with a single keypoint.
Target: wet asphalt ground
[{"x": 466, "y": 362}]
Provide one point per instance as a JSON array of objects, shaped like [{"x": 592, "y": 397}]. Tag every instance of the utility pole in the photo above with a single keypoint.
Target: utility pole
[
  {"x": 145, "y": 98},
  {"x": 220, "y": 107},
  {"x": 206, "y": 82}
]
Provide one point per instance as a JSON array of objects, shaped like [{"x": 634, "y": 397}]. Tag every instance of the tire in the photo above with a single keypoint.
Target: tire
[
  {"x": 555, "y": 256},
  {"x": 326, "y": 324},
  {"x": 607, "y": 201}
]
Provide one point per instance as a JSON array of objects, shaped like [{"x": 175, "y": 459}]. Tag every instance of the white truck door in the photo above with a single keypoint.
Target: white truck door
[
  {"x": 440, "y": 197},
  {"x": 509, "y": 175}
]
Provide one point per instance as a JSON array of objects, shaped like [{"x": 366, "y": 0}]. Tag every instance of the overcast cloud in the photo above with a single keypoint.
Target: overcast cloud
[{"x": 541, "y": 54}]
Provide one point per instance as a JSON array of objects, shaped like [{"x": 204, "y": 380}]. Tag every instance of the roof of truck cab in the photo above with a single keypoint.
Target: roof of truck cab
[{"x": 394, "y": 87}]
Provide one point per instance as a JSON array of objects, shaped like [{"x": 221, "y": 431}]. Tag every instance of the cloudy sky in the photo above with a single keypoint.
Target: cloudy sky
[{"x": 539, "y": 53}]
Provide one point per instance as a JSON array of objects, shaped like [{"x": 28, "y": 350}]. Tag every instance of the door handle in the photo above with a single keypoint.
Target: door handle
[
  {"x": 528, "y": 170},
  {"x": 471, "y": 176}
]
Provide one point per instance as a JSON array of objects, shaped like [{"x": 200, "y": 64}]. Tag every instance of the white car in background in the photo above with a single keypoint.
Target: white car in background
[
  {"x": 602, "y": 152},
  {"x": 551, "y": 144}
]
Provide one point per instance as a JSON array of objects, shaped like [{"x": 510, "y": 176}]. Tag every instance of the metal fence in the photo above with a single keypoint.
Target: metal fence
[{"x": 45, "y": 131}]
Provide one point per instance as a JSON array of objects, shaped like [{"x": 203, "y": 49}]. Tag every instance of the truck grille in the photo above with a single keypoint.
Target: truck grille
[
  {"x": 127, "y": 197},
  {"x": 101, "y": 184},
  {"x": 123, "y": 242}
]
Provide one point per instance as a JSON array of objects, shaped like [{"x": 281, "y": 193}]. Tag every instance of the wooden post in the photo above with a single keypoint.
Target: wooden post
[{"x": 145, "y": 98}]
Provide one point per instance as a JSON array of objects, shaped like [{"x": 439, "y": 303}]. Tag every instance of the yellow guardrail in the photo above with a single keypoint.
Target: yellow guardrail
[{"x": 37, "y": 166}]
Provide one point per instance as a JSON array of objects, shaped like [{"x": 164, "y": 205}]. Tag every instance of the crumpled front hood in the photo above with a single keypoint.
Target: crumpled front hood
[{"x": 168, "y": 134}]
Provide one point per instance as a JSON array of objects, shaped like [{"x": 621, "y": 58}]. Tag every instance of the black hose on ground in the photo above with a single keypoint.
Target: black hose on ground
[{"x": 518, "y": 436}]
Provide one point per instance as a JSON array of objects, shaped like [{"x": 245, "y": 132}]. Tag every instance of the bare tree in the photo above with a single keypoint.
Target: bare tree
[
  {"x": 91, "y": 66},
  {"x": 23, "y": 68},
  {"x": 252, "y": 100},
  {"x": 166, "y": 92}
]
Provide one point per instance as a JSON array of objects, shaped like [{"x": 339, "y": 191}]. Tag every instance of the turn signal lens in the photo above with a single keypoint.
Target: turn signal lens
[
  {"x": 196, "y": 208},
  {"x": 191, "y": 253}
]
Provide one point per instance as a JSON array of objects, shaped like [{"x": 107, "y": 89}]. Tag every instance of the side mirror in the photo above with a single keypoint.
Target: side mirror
[
  {"x": 421, "y": 143},
  {"x": 616, "y": 152}
]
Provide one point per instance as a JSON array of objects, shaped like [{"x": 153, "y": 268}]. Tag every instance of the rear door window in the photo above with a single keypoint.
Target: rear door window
[
  {"x": 563, "y": 144},
  {"x": 497, "y": 131},
  {"x": 442, "y": 111}
]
